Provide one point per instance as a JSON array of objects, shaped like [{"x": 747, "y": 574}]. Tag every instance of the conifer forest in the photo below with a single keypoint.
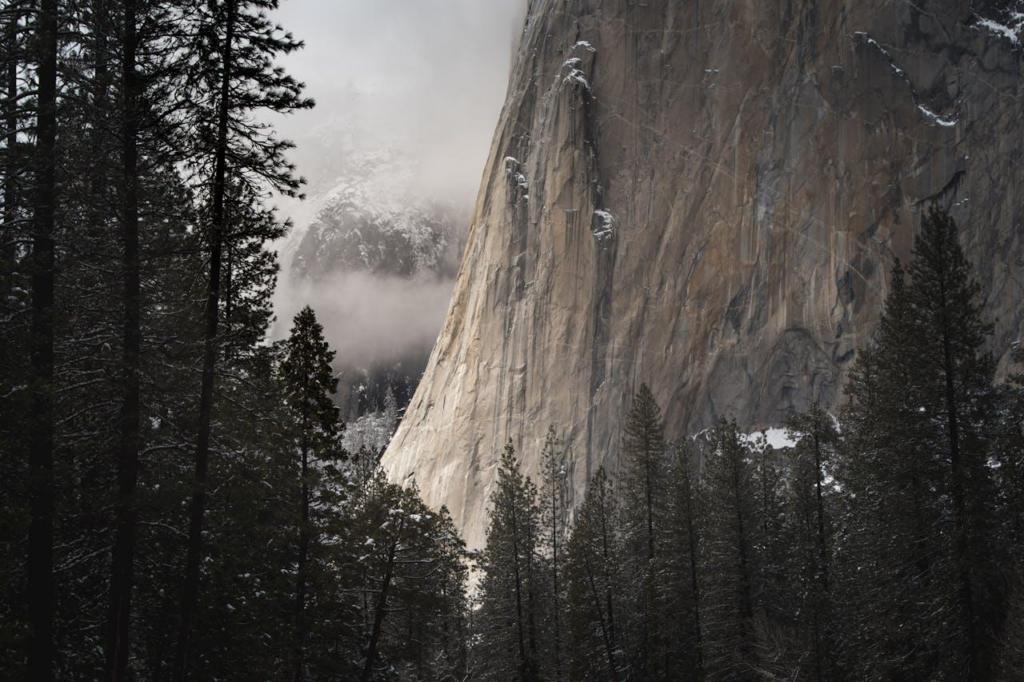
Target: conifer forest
[{"x": 178, "y": 500}]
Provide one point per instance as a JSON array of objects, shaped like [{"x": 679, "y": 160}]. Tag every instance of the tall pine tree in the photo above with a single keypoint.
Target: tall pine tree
[
  {"x": 309, "y": 384},
  {"x": 508, "y": 621},
  {"x": 644, "y": 462},
  {"x": 727, "y": 558},
  {"x": 235, "y": 77},
  {"x": 956, "y": 373},
  {"x": 554, "y": 517},
  {"x": 593, "y": 591}
]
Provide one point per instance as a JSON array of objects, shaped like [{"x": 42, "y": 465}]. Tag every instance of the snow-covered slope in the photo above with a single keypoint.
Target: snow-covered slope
[
  {"x": 374, "y": 219},
  {"x": 373, "y": 250}
]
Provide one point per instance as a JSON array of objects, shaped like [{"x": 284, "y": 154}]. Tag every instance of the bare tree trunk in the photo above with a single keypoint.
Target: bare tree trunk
[
  {"x": 607, "y": 561},
  {"x": 300, "y": 592},
  {"x": 746, "y": 601},
  {"x": 965, "y": 592},
  {"x": 694, "y": 581},
  {"x": 382, "y": 601},
  {"x": 41, "y": 493},
  {"x": 555, "y": 511},
  {"x": 608, "y": 648},
  {"x": 190, "y": 593},
  {"x": 523, "y": 661},
  {"x": 822, "y": 543},
  {"x": 122, "y": 568},
  {"x": 11, "y": 143}
]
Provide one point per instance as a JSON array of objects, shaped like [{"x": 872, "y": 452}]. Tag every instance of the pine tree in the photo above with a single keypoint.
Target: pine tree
[
  {"x": 15, "y": 165},
  {"x": 41, "y": 412},
  {"x": 1009, "y": 455},
  {"x": 13, "y": 158},
  {"x": 415, "y": 579},
  {"x": 143, "y": 137},
  {"x": 390, "y": 411},
  {"x": 952, "y": 363},
  {"x": 770, "y": 549},
  {"x": 810, "y": 523},
  {"x": 680, "y": 563},
  {"x": 309, "y": 384},
  {"x": 445, "y": 626},
  {"x": 921, "y": 498},
  {"x": 235, "y": 78},
  {"x": 644, "y": 464},
  {"x": 554, "y": 517},
  {"x": 897, "y": 541},
  {"x": 508, "y": 620},
  {"x": 727, "y": 557},
  {"x": 1011, "y": 654},
  {"x": 592, "y": 585}
]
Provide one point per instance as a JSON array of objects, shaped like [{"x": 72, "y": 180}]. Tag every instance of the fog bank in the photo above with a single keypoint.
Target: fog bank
[
  {"x": 370, "y": 318},
  {"x": 424, "y": 77}
]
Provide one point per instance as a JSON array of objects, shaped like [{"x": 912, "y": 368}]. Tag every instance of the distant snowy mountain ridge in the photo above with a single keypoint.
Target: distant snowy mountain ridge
[{"x": 375, "y": 219}]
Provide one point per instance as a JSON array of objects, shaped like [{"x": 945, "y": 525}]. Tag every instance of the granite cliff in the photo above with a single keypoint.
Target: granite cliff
[{"x": 707, "y": 196}]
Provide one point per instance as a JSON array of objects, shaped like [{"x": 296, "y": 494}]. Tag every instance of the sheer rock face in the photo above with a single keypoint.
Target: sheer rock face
[{"x": 707, "y": 196}]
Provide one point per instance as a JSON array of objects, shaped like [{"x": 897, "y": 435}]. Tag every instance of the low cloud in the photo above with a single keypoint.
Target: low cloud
[{"x": 370, "y": 318}]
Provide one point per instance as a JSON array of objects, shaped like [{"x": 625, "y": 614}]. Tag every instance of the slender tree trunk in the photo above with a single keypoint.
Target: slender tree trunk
[
  {"x": 190, "y": 594},
  {"x": 823, "y": 573},
  {"x": 648, "y": 569},
  {"x": 10, "y": 160},
  {"x": 694, "y": 584},
  {"x": 531, "y": 597},
  {"x": 819, "y": 667},
  {"x": 607, "y": 562},
  {"x": 554, "y": 576},
  {"x": 300, "y": 591},
  {"x": 523, "y": 661},
  {"x": 382, "y": 601},
  {"x": 965, "y": 591},
  {"x": 922, "y": 555},
  {"x": 650, "y": 509},
  {"x": 822, "y": 541},
  {"x": 41, "y": 422},
  {"x": 228, "y": 274},
  {"x": 122, "y": 564},
  {"x": 746, "y": 602},
  {"x": 608, "y": 648}
]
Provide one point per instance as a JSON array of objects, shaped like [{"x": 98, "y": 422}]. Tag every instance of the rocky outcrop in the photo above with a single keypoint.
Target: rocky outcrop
[{"x": 706, "y": 196}]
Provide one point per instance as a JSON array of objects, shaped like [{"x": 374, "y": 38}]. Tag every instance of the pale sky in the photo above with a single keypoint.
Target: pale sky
[{"x": 430, "y": 73}]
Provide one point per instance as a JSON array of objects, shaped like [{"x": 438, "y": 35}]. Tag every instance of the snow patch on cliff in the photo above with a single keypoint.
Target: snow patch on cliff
[
  {"x": 576, "y": 77},
  {"x": 1009, "y": 26},
  {"x": 603, "y": 225},
  {"x": 931, "y": 115},
  {"x": 935, "y": 118}
]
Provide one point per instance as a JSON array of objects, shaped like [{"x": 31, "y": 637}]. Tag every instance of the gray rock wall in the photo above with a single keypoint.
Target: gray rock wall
[{"x": 706, "y": 196}]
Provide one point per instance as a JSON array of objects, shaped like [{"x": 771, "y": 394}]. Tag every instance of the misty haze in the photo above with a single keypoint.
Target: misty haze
[
  {"x": 392, "y": 154},
  {"x": 512, "y": 340}
]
